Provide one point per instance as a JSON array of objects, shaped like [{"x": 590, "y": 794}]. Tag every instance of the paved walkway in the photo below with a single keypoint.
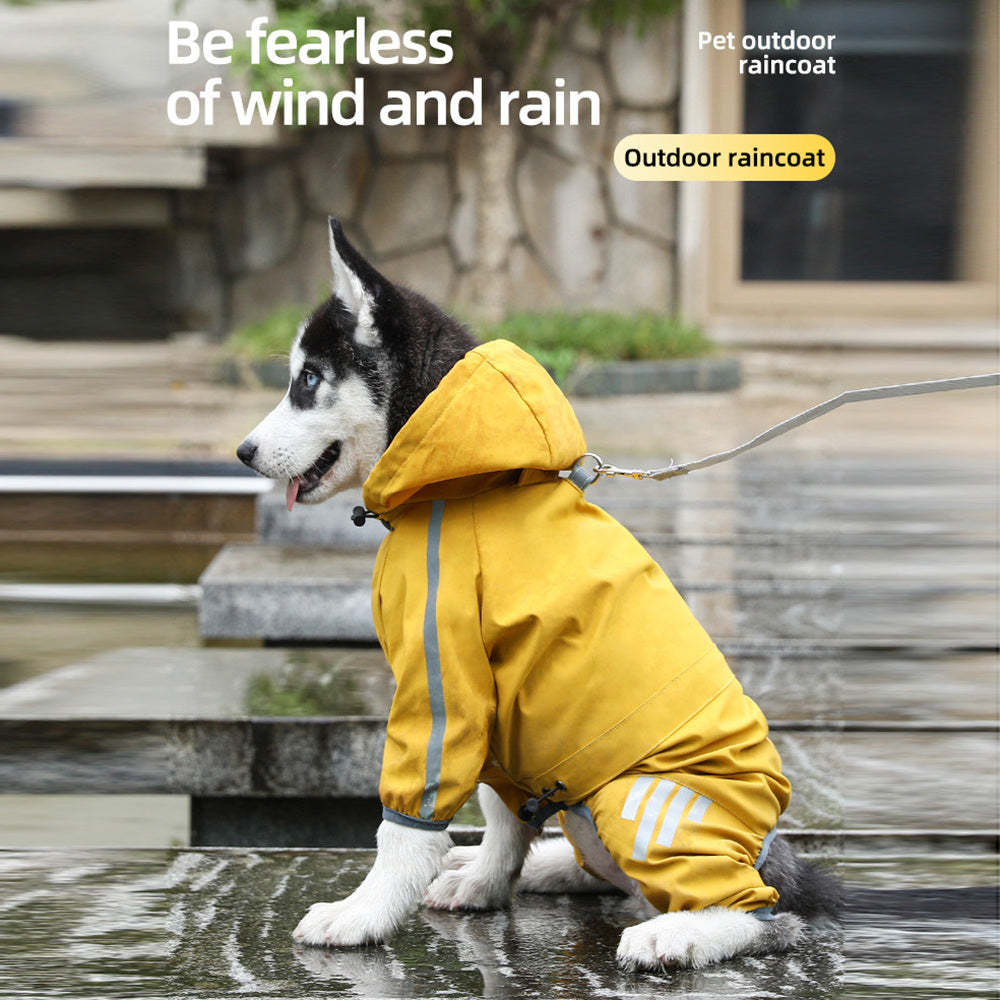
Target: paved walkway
[
  {"x": 196, "y": 924},
  {"x": 161, "y": 400}
]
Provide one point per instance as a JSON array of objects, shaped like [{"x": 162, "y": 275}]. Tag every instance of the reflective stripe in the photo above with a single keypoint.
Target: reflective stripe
[
  {"x": 631, "y": 808},
  {"x": 649, "y": 817},
  {"x": 672, "y": 818},
  {"x": 432, "y": 656},
  {"x": 765, "y": 849},
  {"x": 699, "y": 809},
  {"x": 418, "y": 824}
]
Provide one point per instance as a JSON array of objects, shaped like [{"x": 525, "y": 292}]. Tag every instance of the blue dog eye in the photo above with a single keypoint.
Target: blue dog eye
[{"x": 311, "y": 379}]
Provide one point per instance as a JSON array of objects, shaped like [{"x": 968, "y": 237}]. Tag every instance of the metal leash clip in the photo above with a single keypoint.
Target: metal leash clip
[
  {"x": 582, "y": 476},
  {"x": 613, "y": 470}
]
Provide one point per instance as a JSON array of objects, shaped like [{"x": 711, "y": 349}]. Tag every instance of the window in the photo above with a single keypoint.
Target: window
[{"x": 896, "y": 114}]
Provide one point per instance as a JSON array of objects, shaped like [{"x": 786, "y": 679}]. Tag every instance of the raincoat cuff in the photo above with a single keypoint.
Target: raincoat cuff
[{"x": 415, "y": 821}]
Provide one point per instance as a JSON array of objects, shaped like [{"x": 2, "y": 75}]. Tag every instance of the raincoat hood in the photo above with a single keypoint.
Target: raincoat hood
[{"x": 497, "y": 410}]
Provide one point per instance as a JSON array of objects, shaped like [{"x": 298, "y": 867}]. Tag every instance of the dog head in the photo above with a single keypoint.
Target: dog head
[
  {"x": 332, "y": 425},
  {"x": 359, "y": 366}
]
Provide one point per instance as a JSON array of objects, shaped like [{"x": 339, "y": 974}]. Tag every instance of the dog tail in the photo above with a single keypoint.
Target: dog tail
[{"x": 804, "y": 889}]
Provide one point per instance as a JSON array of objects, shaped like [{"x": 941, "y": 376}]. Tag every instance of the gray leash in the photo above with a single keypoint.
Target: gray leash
[{"x": 583, "y": 476}]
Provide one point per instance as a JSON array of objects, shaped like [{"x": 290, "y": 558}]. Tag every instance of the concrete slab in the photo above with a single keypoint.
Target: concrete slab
[
  {"x": 283, "y": 724},
  {"x": 171, "y": 924},
  {"x": 281, "y": 594},
  {"x": 327, "y": 524}
]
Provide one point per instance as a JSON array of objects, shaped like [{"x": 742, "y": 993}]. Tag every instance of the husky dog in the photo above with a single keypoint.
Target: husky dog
[{"x": 537, "y": 650}]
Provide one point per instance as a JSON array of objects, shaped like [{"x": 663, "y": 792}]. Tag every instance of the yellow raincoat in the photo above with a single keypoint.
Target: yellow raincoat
[{"x": 532, "y": 638}]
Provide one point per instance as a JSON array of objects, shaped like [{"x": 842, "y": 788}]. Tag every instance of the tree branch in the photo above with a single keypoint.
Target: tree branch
[
  {"x": 469, "y": 33},
  {"x": 550, "y": 21}
]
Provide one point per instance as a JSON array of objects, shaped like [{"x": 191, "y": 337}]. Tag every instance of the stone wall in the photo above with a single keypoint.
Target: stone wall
[{"x": 256, "y": 236}]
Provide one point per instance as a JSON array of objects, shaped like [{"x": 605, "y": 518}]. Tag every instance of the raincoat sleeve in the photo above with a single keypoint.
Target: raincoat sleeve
[{"x": 426, "y": 609}]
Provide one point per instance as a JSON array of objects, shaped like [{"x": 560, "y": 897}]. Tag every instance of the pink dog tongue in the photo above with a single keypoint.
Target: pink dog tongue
[{"x": 292, "y": 492}]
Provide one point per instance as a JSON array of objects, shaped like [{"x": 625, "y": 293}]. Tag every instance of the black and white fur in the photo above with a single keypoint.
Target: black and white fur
[{"x": 359, "y": 367}]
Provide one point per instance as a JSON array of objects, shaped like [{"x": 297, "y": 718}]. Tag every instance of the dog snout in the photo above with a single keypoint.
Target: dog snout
[{"x": 247, "y": 452}]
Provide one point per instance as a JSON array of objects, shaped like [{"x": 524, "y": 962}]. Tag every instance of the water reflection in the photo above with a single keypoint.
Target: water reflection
[{"x": 213, "y": 924}]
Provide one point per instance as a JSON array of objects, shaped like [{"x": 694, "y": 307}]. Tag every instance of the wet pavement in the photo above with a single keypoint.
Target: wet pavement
[{"x": 157, "y": 924}]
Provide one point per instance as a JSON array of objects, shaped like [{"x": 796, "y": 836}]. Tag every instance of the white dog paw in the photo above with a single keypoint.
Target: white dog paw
[
  {"x": 467, "y": 888},
  {"x": 340, "y": 925},
  {"x": 460, "y": 857},
  {"x": 690, "y": 939}
]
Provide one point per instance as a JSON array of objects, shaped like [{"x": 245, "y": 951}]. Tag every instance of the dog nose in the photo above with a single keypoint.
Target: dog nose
[{"x": 246, "y": 452}]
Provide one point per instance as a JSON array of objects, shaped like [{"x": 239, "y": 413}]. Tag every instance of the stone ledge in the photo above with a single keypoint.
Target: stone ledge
[
  {"x": 625, "y": 378},
  {"x": 619, "y": 378},
  {"x": 280, "y": 594},
  {"x": 283, "y": 594},
  {"x": 179, "y": 721}
]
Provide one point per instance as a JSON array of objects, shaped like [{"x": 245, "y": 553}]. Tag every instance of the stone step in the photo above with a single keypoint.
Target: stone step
[
  {"x": 884, "y": 781},
  {"x": 964, "y": 547},
  {"x": 832, "y": 685},
  {"x": 119, "y": 520},
  {"x": 779, "y": 546},
  {"x": 327, "y": 524},
  {"x": 219, "y": 923},
  {"x": 282, "y": 593},
  {"x": 228, "y": 724}
]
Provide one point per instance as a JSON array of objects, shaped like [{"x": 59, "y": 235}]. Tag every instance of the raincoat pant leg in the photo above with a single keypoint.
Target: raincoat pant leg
[{"x": 668, "y": 832}]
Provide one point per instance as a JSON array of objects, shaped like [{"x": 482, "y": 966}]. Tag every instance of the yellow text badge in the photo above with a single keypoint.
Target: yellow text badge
[{"x": 743, "y": 157}]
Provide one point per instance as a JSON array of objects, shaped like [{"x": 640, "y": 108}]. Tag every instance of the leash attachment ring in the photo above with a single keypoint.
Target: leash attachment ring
[{"x": 581, "y": 476}]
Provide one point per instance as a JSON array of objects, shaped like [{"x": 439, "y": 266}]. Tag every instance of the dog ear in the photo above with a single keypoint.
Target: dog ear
[
  {"x": 347, "y": 283},
  {"x": 357, "y": 284}
]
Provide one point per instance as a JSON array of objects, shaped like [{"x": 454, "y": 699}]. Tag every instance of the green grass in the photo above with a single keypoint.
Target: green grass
[
  {"x": 270, "y": 337},
  {"x": 304, "y": 688},
  {"x": 559, "y": 340}
]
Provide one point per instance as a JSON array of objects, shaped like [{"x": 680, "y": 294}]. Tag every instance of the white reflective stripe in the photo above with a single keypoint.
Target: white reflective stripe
[
  {"x": 672, "y": 818},
  {"x": 649, "y": 817},
  {"x": 631, "y": 808},
  {"x": 699, "y": 809},
  {"x": 432, "y": 657}
]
